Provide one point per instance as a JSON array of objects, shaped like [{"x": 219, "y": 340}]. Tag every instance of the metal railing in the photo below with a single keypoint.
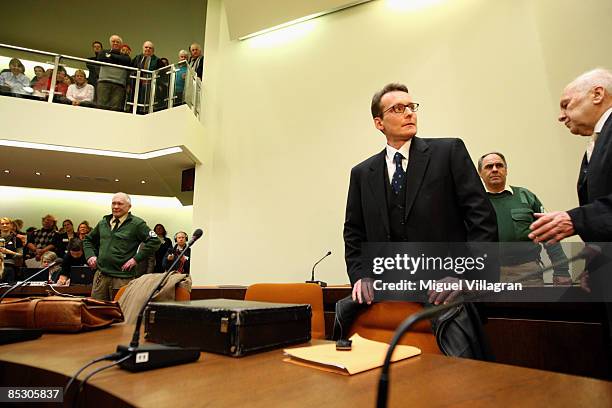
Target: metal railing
[{"x": 135, "y": 90}]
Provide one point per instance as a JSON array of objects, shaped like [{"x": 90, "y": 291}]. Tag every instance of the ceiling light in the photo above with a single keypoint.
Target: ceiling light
[
  {"x": 142, "y": 182},
  {"x": 116, "y": 180},
  {"x": 7, "y": 171},
  {"x": 69, "y": 149},
  {"x": 67, "y": 175}
]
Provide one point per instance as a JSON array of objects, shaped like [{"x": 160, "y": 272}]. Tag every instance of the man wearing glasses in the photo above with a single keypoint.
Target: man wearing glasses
[{"x": 414, "y": 190}]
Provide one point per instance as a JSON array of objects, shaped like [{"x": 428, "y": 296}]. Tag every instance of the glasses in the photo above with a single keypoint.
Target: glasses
[{"x": 401, "y": 108}]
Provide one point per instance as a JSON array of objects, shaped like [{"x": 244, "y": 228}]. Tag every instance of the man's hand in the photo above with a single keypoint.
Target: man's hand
[
  {"x": 129, "y": 264},
  {"x": 562, "y": 281},
  {"x": 92, "y": 262},
  {"x": 447, "y": 296},
  {"x": 551, "y": 227},
  {"x": 363, "y": 292},
  {"x": 62, "y": 280}
]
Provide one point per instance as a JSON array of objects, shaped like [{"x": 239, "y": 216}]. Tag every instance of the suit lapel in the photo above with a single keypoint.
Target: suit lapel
[
  {"x": 417, "y": 164},
  {"x": 376, "y": 178}
]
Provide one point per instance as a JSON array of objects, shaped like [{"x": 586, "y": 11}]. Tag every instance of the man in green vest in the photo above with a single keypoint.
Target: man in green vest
[
  {"x": 515, "y": 208},
  {"x": 112, "y": 247}
]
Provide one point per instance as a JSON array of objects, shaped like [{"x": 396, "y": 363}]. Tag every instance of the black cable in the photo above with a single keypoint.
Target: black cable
[
  {"x": 97, "y": 360},
  {"x": 94, "y": 372}
]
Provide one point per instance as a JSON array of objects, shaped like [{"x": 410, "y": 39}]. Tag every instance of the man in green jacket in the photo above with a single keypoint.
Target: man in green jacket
[
  {"x": 112, "y": 247},
  {"x": 514, "y": 208}
]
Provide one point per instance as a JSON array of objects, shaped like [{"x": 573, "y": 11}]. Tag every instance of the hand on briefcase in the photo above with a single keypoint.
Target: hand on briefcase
[{"x": 60, "y": 314}]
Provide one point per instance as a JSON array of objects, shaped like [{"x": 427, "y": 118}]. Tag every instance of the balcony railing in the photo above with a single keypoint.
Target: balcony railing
[{"x": 32, "y": 74}]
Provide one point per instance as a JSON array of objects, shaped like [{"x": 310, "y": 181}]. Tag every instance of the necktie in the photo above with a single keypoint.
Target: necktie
[
  {"x": 398, "y": 177},
  {"x": 116, "y": 222}
]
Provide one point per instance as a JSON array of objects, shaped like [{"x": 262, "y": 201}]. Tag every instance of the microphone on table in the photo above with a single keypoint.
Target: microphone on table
[
  {"x": 136, "y": 357},
  {"x": 16, "y": 334},
  {"x": 312, "y": 276}
]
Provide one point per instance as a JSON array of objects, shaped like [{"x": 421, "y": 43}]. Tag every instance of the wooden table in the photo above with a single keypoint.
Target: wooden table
[
  {"x": 264, "y": 380},
  {"x": 26, "y": 291}
]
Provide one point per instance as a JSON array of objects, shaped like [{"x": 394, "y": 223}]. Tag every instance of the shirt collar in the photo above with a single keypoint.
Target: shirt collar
[
  {"x": 602, "y": 120},
  {"x": 507, "y": 188},
  {"x": 121, "y": 219},
  {"x": 404, "y": 150}
]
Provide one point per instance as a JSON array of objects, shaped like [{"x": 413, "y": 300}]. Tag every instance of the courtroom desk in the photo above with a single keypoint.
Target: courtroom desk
[
  {"x": 264, "y": 380},
  {"x": 26, "y": 291}
]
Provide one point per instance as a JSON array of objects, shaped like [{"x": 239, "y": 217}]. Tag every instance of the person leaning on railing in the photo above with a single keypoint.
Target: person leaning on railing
[
  {"x": 112, "y": 80},
  {"x": 80, "y": 93},
  {"x": 44, "y": 84},
  {"x": 14, "y": 80}
]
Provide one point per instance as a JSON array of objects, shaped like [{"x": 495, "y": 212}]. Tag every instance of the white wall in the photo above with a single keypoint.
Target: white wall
[
  {"x": 31, "y": 204},
  {"x": 287, "y": 116}
]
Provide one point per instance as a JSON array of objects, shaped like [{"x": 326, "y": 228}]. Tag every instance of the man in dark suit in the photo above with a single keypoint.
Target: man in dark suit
[
  {"x": 586, "y": 110},
  {"x": 586, "y": 107},
  {"x": 417, "y": 190}
]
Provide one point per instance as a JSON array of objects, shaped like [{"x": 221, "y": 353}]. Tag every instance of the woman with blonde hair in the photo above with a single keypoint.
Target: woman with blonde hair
[{"x": 10, "y": 250}]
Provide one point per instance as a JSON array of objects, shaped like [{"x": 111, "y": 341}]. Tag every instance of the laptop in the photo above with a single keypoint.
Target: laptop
[
  {"x": 81, "y": 275},
  {"x": 22, "y": 274}
]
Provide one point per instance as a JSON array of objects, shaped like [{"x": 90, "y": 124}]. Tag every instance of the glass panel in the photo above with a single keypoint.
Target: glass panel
[
  {"x": 143, "y": 99},
  {"x": 21, "y": 71},
  {"x": 180, "y": 76},
  {"x": 162, "y": 84}
]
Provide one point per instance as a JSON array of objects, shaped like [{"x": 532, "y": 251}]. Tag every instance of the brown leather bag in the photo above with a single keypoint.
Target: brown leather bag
[{"x": 60, "y": 314}]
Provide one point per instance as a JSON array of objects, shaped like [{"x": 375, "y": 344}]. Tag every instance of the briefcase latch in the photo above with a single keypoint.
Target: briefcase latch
[
  {"x": 151, "y": 316},
  {"x": 224, "y": 324}
]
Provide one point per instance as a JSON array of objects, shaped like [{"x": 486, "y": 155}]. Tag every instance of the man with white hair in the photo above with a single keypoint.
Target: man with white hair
[
  {"x": 586, "y": 108},
  {"x": 112, "y": 247},
  {"x": 196, "y": 61},
  {"x": 151, "y": 62},
  {"x": 110, "y": 92}
]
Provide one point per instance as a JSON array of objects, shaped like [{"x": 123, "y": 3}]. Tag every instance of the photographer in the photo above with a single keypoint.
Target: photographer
[{"x": 183, "y": 265}]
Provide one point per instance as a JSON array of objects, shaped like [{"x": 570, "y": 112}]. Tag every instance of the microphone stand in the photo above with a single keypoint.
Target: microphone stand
[
  {"x": 17, "y": 334},
  {"x": 157, "y": 355},
  {"x": 312, "y": 276}
]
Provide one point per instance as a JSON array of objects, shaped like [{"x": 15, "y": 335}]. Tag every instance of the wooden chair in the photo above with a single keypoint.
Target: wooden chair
[
  {"x": 303, "y": 293},
  {"x": 379, "y": 321}
]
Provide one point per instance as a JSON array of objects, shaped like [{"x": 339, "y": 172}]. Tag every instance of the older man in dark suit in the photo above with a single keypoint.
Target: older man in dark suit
[{"x": 415, "y": 190}]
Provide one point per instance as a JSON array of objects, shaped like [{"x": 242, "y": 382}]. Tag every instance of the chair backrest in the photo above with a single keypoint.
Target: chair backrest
[
  {"x": 302, "y": 293},
  {"x": 379, "y": 321}
]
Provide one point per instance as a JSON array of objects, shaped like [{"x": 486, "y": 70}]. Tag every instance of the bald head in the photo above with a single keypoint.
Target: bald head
[
  {"x": 196, "y": 50},
  {"x": 585, "y": 100},
  {"x": 121, "y": 204}
]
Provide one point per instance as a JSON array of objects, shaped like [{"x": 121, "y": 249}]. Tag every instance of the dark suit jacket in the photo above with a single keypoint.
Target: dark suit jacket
[
  {"x": 593, "y": 219},
  {"x": 445, "y": 200}
]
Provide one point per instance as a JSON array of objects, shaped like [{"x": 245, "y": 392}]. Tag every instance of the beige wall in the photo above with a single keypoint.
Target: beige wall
[{"x": 287, "y": 116}]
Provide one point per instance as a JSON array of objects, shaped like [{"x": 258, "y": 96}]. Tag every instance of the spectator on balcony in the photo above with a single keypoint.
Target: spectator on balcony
[
  {"x": 14, "y": 80},
  {"x": 44, "y": 84},
  {"x": 126, "y": 50},
  {"x": 94, "y": 69},
  {"x": 39, "y": 72},
  {"x": 112, "y": 80},
  {"x": 68, "y": 80},
  {"x": 197, "y": 60},
  {"x": 179, "y": 79},
  {"x": 80, "y": 93}
]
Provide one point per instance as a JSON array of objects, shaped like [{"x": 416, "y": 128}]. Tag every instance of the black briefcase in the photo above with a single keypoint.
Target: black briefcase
[{"x": 225, "y": 326}]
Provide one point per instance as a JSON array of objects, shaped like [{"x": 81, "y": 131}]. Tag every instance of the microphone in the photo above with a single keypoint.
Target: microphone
[
  {"x": 312, "y": 276},
  {"x": 58, "y": 261},
  {"x": 16, "y": 334},
  {"x": 197, "y": 234},
  {"x": 149, "y": 357}
]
